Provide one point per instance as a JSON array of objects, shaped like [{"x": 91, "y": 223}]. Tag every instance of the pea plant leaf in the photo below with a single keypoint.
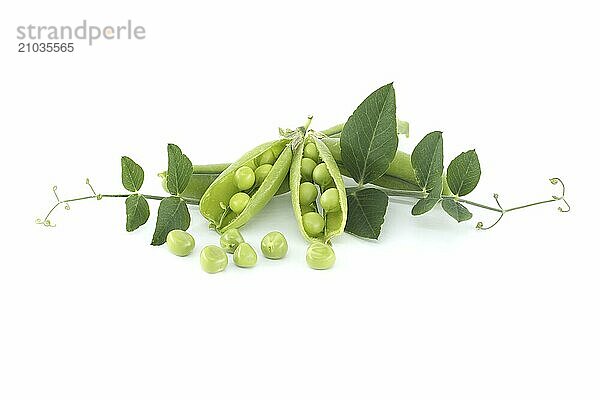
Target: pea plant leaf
[
  {"x": 369, "y": 138},
  {"x": 172, "y": 214},
  {"x": 137, "y": 211},
  {"x": 366, "y": 211},
  {"x": 132, "y": 175},
  {"x": 456, "y": 210},
  {"x": 424, "y": 205},
  {"x": 179, "y": 170},
  {"x": 464, "y": 173},
  {"x": 427, "y": 160}
]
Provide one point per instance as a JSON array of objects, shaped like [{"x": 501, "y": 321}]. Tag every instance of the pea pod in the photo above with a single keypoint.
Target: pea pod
[
  {"x": 313, "y": 225},
  {"x": 400, "y": 174},
  {"x": 214, "y": 204},
  {"x": 204, "y": 175}
]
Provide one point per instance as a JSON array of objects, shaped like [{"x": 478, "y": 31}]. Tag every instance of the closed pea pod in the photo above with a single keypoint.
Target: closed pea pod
[{"x": 216, "y": 205}]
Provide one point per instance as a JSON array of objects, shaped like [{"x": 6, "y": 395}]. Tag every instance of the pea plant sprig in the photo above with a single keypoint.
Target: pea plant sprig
[
  {"x": 173, "y": 212},
  {"x": 310, "y": 164},
  {"x": 369, "y": 143}
]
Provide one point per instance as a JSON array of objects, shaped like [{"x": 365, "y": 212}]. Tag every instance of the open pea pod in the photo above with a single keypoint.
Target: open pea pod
[
  {"x": 204, "y": 175},
  {"x": 315, "y": 221},
  {"x": 217, "y": 201}
]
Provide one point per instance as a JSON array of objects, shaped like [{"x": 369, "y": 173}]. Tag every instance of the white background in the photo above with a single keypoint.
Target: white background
[{"x": 433, "y": 310}]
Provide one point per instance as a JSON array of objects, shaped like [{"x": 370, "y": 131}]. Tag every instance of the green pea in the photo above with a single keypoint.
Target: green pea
[
  {"x": 310, "y": 151},
  {"x": 268, "y": 157},
  {"x": 330, "y": 200},
  {"x": 321, "y": 175},
  {"x": 231, "y": 239},
  {"x": 274, "y": 245},
  {"x": 320, "y": 256},
  {"x": 244, "y": 256},
  {"x": 308, "y": 193},
  {"x": 213, "y": 259},
  {"x": 313, "y": 223},
  {"x": 238, "y": 202},
  {"x": 261, "y": 173},
  {"x": 307, "y": 166},
  {"x": 180, "y": 242},
  {"x": 244, "y": 178}
]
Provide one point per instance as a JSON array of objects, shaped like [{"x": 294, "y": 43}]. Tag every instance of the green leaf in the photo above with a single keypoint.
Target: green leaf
[
  {"x": 132, "y": 175},
  {"x": 369, "y": 139},
  {"x": 366, "y": 211},
  {"x": 137, "y": 210},
  {"x": 464, "y": 173},
  {"x": 426, "y": 204},
  {"x": 179, "y": 170},
  {"x": 172, "y": 214},
  {"x": 427, "y": 160},
  {"x": 456, "y": 210}
]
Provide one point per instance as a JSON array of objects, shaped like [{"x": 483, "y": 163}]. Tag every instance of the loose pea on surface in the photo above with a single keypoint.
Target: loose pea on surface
[
  {"x": 244, "y": 178},
  {"x": 321, "y": 175},
  {"x": 180, "y": 242},
  {"x": 310, "y": 151},
  {"x": 261, "y": 173},
  {"x": 307, "y": 193},
  {"x": 320, "y": 256},
  {"x": 330, "y": 200},
  {"x": 313, "y": 223},
  {"x": 307, "y": 167},
  {"x": 244, "y": 256},
  {"x": 231, "y": 239},
  {"x": 238, "y": 202},
  {"x": 213, "y": 259},
  {"x": 274, "y": 245}
]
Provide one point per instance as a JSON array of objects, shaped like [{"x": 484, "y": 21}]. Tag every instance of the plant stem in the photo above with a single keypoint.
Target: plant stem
[
  {"x": 531, "y": 205},
  {"x": 46, "y": 221},
  {"x": 422, "y": 195},
  {"x": 461, "y": 200},
  {"x": 334, "y": 130}
]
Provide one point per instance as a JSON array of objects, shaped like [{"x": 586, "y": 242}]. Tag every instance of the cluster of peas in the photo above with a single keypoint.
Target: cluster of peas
[
  {"x": 315, "y": 177},
  {"x": 246, "y": 179},
  {"x": 214, "y": 259}
]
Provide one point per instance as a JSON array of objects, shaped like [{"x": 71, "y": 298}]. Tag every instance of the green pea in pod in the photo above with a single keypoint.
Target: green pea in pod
[
  {"x": 230, "y": 201},
  {"x": 323, "y": 218}
]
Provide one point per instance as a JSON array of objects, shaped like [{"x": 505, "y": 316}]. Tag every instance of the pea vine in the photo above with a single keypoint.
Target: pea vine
[
  {"x": 369, "y": 142},
  {"x": 367, "y": 145},
  {"x": 173, "y": 212}
]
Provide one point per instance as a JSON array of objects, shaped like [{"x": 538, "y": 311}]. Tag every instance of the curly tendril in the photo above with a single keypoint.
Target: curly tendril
[{"x": 503, "y": 210}]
